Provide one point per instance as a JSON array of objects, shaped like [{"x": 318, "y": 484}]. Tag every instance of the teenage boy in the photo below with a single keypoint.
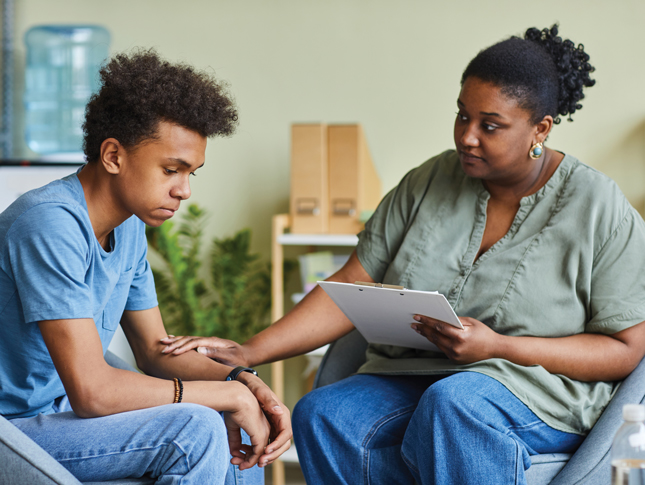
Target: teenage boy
[{"x": 73, "y": 265}]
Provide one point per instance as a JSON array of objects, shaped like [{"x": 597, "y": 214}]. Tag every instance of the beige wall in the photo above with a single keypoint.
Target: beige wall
[{"x": 392, "y": 65}]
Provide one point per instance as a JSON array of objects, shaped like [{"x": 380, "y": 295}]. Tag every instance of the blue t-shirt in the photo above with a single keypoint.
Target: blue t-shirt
[{"x": 53, "y": 267}]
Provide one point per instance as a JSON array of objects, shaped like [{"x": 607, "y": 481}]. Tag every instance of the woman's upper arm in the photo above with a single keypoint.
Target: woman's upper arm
[{"x": 634, "y": 340}]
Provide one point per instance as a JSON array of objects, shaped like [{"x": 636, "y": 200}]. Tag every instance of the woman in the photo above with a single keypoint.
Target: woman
[{"x": 537, "y": 253}]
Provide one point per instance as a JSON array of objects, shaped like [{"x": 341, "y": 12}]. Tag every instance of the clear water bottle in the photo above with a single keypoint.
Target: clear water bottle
[
  {"x": 628, "y": 448},
  {"x": 61, "y": 73}
]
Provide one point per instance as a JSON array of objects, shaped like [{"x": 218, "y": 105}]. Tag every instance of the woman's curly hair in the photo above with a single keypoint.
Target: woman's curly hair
[
  {"x": 141, "y": 89},
  {"x": 545, "y": 73}
]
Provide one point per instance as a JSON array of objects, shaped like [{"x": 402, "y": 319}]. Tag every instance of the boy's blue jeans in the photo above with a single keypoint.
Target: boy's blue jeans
[
  {"x": 175, "y": 443},
  {"x": 463, "y": 429}
]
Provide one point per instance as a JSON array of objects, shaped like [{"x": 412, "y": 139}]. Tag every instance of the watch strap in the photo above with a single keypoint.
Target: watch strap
[{"x": 238, "y": 370}]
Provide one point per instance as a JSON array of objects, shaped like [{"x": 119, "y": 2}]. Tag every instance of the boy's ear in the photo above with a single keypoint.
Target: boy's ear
[{"x": 112, "y": 153}]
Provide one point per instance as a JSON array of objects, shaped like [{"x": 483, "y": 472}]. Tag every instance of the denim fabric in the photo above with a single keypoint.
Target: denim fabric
[
  {"x": 176, "y": 443},
  {"x": 463, "y": 429}
]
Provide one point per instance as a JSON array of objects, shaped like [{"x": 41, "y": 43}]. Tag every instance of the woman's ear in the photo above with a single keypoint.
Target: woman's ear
[
  {"x": 543, "y": 128},
  {"x": 111, "y": 155}
]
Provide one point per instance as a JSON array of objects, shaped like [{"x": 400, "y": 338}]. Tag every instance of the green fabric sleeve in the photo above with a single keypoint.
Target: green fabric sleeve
[{"x": 617, "y": 284}]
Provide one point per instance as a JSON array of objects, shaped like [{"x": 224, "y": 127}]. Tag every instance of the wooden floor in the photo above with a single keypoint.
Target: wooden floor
[{"x": 293, "y": 475}]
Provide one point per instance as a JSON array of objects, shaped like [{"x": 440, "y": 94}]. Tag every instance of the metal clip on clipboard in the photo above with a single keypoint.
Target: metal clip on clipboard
[{"x": 379, "y": 285}]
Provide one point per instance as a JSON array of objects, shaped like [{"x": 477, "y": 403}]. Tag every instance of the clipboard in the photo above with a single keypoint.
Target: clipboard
[{"x": 383, "y": 313}]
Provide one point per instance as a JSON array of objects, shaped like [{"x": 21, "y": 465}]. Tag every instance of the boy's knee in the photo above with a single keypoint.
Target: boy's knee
[{"x": 198, "y": 423}]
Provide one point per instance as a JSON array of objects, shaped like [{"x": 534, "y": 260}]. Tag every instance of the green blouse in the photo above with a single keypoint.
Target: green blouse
[{"x": 570, "y": 263}]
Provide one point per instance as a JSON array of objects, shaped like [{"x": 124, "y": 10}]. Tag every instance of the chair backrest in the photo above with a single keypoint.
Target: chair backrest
[
  {"x": 342, "y": 359},
  {"x": 590, "y": 464}
]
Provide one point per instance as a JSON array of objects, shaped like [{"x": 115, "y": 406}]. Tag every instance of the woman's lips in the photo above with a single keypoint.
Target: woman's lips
[{"x": 469, "y": 158}]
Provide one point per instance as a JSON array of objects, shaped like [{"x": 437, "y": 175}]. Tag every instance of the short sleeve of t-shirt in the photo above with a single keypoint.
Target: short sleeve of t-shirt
[
  {"x": 385, "y": 230},
  {"x": 49, "y": 267},
  {"x": 617, "y": 283}
]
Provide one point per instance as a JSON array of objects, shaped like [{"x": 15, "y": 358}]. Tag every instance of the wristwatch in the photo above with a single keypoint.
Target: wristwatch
[{"x": 238, "y": 370}]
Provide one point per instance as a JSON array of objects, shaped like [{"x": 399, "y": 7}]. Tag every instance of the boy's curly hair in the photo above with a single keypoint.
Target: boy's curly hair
[{"x": 141, "y": 89}]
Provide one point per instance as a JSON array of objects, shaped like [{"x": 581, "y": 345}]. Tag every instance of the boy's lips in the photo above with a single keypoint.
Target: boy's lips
[{"x": 169, "y": 212}]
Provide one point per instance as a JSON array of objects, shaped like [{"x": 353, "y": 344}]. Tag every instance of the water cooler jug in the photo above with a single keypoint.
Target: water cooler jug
[{"x": 62, "y": 68}]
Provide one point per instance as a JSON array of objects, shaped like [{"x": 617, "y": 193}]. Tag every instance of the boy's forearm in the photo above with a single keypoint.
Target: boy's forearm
[
  {"x": 191, "y": 366},
  {"x": 129, "y": 391},
  {"x": 96, "y": 389}
]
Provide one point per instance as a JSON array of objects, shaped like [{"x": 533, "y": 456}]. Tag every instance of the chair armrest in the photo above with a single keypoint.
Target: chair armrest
[
  {"x": 590, "y": 465},
  {"x": 118, "y": 362},
  {"x": 23, "y": 461}
]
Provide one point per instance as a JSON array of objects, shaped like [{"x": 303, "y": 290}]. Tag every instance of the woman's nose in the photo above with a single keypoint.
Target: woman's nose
[{"x": 469, "y": 136}]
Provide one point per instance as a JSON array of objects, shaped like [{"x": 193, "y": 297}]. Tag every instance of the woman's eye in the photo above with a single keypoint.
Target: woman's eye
[
  {"x": 193, "y": 174},
  {"x": 169, "y": 171},
  {"x": 461, "y": 117},
  {"x": 488, "y": 127}
]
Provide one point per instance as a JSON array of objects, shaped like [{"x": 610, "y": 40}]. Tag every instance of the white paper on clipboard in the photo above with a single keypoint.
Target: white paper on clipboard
[{"x": 384, "y": 315}]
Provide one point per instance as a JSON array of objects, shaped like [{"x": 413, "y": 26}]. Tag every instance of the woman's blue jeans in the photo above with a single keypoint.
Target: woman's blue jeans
[
  {"x": 463, "y": 429},
  {"x": 175, "y": 443}
]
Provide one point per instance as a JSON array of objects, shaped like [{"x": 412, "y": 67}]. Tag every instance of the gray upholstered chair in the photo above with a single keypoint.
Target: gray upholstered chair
[
  {"x": 589, "y": 465},
  {"x": 23, "y": 461}
]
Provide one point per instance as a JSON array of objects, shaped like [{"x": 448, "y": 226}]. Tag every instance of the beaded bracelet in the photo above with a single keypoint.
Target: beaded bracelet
[{"x": 179, "y": 390}]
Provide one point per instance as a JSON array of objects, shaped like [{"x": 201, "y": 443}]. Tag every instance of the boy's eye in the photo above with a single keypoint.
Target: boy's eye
[
  {"x": 169, "y": 171},
  {"x": 461, "y": 117},
  {"x": 488, "y": 127},
  {"x": 193, "y": 174}
]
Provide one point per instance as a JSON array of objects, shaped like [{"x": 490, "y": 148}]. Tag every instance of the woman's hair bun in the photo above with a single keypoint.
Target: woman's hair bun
[{"x": 572, "y": 64}]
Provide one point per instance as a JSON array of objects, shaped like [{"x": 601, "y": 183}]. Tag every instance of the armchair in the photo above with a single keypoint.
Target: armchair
[
  {"x": 589, "y": 465},
  {"x": 23, "y": 461}
]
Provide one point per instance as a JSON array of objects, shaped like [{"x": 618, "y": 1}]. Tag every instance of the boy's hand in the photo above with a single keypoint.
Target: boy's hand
[
  {"x": 246, "y": 414},
  {"x": 277, "y": 414},
  {"x": 231, "y": 353}
]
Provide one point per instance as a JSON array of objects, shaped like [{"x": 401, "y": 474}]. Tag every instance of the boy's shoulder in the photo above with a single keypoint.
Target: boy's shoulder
[
  {"x": 62, "y": 192},
  {"x": 45, "y": 206}
]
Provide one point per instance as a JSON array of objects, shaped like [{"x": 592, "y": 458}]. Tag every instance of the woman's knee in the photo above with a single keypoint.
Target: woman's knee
[
  {"x": 306, "y": 411},
  {"x": 322, "y": 411},
  {"x": 464, "y": 391}
]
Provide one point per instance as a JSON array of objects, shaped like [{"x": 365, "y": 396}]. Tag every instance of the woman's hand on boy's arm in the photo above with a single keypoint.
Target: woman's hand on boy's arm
[
  {"x": 231, "y": 353},
  {"x": 221, "y": 350},
  {"x": 143, "y": 330}
]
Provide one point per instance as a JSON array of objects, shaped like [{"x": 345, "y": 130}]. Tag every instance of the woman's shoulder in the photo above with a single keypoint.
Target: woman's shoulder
[
  {"x": 445, "y": 167},
  {"x": 597, "y": 188},
  {"x": 597, "y": 197},
  {"x": 446, "y": 161}
]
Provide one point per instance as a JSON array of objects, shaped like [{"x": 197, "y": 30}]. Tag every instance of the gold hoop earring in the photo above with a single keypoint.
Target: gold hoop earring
[{"x": 536, "y": 151}]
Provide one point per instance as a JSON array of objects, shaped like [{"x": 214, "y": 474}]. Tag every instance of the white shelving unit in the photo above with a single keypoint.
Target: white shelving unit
[
  {"x": 317, "y": 240},
  {"x": 281, "y": 223}
]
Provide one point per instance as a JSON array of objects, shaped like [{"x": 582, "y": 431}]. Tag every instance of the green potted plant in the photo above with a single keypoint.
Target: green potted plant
[{"x": 233, "y": 303}]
